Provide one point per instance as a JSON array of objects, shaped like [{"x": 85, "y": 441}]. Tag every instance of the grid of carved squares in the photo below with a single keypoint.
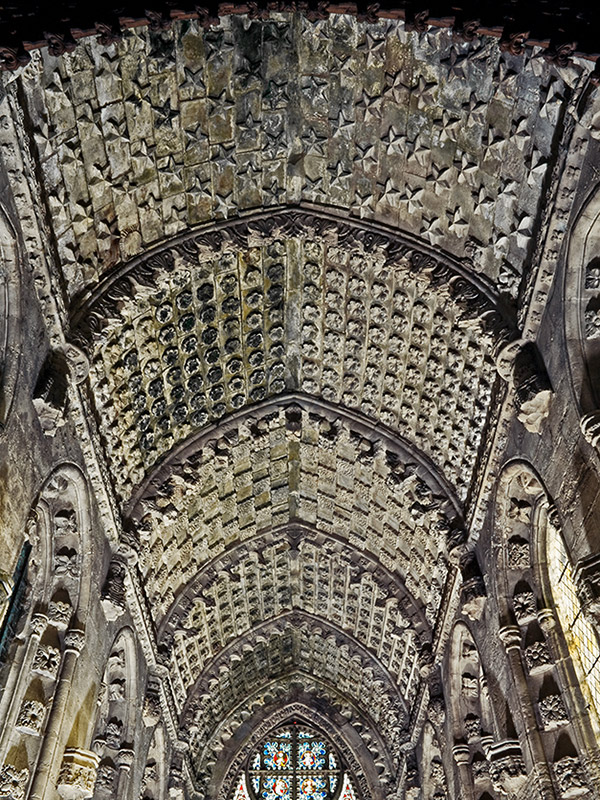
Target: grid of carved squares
[
  {"x": 166, "y": 129},
  {"x": 224, "y": 333},
  {"x": 344, "y": 488},
  {"x": 327, "y": 586},
  {"x": 293, "y": 653}
]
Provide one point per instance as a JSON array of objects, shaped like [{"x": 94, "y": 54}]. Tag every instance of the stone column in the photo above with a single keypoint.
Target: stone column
[
  {"x": 511, "y": 638},
  {"x": 49, "y": 760},
  {"x": 24, "y": 656},
  {"x": 462, "y": 756}
]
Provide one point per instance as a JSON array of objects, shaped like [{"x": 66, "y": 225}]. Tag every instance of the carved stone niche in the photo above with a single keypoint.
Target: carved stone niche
[
  {"x": 473, "y": 593},
  {"x": 113, "y": 591},
  {"x": 77, "y": 776},
  {"x": 50, "y": 393},
  {"x": 587, "y": 581},
  {"x": 567, "y": 768},
  {"x": 532, "y": 387},
  {"x": 507, "y": 768}
]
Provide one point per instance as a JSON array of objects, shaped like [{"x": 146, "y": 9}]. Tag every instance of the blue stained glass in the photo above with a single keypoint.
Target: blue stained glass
[
  {"x": 256, "y": 761},
  {"x": 277, "y": 755},
  {"x": 285, "y": 735},
  {"x": 332, "y": 783},
  {"x": 304, "y": 735},
  {"x": 332, "y": 761},
  {"x": 256, "y": 783},
  {"x": 276, "y": 788},
  {"x": 312, "y": 787},
  {"x": 312, "y": 755}
]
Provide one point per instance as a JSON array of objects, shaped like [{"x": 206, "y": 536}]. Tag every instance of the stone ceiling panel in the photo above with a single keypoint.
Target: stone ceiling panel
[
  {"x": 191, "y": 335},
  {"x": 296, "y": 655},
  {"x": 214, "y": 510},
  {"x": 141, "y": 139},
  {"x": 319, "y": 581}
]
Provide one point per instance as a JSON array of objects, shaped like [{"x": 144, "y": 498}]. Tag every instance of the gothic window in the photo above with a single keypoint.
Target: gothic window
[
  {"x": 294, "y": 763},
  {"x": 579, "y": 633},
  {"x": 11, "y": 600}
]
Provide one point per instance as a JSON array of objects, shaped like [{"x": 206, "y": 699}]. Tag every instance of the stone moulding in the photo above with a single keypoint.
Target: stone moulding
[
  {"x": 279, "y": 716},
  {"x": 473, "y": 291},
  {"x": 181, "y": 454}
]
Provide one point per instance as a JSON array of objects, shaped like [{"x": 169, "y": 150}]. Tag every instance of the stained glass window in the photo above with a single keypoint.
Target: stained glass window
[
  {"x": 579, "y": 633},
  {"x": 295, "y": 763}
]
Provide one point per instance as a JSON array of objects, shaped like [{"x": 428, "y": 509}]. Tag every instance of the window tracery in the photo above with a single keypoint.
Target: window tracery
[
  {"x": 578, "y": 630},
  {"x": 294, "y": 763}
]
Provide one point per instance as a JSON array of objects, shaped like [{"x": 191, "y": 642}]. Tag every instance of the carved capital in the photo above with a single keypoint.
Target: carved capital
[
  {"x": 510, "y": 636},
  {"x": 507, "y": 768},
  {"x": 74, "y": 640},
  {"x": 461, "y": 753},
  {"x": 77, "y": 775},
  {"x": 546, "y": 619}
]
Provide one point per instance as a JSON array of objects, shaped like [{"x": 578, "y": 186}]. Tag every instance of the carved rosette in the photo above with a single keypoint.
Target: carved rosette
[
  {"x": 537, "y": 657},
  {"x": 31, "y": 717},
  {"x": 77, "y": 775},
  {"x": 13, "y": 782},
  {"x": 552, "y": 711}
]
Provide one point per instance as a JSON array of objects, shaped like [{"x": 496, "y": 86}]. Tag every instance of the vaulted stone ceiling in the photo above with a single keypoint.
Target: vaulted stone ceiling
[{"x": 292, "y": 252}]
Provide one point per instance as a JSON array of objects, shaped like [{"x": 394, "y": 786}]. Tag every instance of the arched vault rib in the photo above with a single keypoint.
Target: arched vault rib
[
  {"x": 314, "y": 580},
  {"x": 296, "y": 648},
  {"x": 297, "y": 303},
  {"x": 359, "y": 743},
  {"x": 277, "y": 472}
]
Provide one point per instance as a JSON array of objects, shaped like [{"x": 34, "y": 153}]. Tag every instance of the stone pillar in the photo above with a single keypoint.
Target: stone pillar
[
  {"x": 462, "y": 756},
  {"x": 510, "y": 636},
  {"x": 24, "y": 656},
  {"x": 47, "y": 766}
]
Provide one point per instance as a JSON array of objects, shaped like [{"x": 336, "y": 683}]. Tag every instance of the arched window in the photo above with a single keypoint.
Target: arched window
[
  {"x": 294, "y": 763},
  {"x": 579, "y": 633}
]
